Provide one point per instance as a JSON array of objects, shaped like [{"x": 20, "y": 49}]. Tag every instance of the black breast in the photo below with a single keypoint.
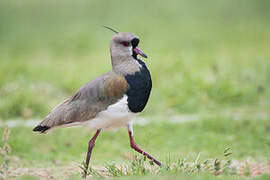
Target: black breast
[{"x": 140, "y": 85}]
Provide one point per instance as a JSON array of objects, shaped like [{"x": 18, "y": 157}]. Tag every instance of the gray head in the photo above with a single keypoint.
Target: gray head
[{"x": 124, "y": 47}]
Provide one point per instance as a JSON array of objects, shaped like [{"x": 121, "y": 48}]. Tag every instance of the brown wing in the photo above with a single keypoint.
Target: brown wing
[{"x": 87, "y": 102}]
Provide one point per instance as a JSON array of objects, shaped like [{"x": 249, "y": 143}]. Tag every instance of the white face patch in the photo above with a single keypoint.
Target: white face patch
[{"x": 130, "y": 50}]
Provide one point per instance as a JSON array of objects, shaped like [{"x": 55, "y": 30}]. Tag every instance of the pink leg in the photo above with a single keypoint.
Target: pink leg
[
  {"x": 136, "y": 148},
  {"x": 91, "y": 144}
]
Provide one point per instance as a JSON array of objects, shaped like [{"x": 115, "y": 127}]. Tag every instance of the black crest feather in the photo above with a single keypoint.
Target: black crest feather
[{"x": 113, "y": 30}]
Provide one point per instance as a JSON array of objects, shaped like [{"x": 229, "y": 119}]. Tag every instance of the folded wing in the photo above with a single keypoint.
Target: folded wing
[{"x": 87, "y": 102}]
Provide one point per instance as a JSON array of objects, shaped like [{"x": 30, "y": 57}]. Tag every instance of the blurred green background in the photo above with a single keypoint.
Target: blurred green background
[
  {"x": 209, "y": 60},
  {"x": 203, "y": 55}
]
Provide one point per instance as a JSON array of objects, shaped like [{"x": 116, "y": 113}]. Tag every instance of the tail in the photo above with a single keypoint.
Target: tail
[
  {"x": 54, "y": 118},
  {"x": 41, "y": 129}
]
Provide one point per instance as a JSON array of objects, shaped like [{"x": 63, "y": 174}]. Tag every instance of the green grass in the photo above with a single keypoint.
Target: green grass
[{"x": 207, "y": 138}]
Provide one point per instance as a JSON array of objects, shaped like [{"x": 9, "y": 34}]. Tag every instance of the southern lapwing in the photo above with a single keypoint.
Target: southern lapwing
[{"x": 113, "y": 99}]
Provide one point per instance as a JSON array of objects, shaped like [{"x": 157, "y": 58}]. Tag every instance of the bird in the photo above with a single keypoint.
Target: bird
[{"x": 111, "y": 100}]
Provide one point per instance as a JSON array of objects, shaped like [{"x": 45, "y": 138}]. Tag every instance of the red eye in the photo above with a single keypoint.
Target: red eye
[{"x": 125, "y": 43}]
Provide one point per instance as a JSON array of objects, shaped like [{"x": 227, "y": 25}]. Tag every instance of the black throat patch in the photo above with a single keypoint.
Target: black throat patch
[
  {"x": 140, "y": 85},
  {"x": 134, "y": 43}
]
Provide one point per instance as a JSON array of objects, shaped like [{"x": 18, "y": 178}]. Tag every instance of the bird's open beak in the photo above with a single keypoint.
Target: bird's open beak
[{"x": 138, "y": 51}]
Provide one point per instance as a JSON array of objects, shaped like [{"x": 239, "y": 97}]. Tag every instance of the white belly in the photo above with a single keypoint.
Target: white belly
[{"x": 114, "y": 116}]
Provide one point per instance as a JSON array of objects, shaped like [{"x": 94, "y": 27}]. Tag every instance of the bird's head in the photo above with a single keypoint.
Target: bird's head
[
  {"x": 124, "y": 51},
  {"x": 126, "y": 44}
]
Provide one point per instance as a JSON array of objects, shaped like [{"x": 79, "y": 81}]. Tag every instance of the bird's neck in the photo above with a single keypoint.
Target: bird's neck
[
  {"x": 123, "y": 62},
  {"x": 127, "y": 65}
]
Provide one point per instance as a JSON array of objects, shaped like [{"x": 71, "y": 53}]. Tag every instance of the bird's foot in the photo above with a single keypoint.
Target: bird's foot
[{"x": 84, "y": 169}]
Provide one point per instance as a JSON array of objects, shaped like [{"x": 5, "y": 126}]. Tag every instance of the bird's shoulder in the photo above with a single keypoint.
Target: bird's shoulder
[{"x": 109, "y": 86}]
